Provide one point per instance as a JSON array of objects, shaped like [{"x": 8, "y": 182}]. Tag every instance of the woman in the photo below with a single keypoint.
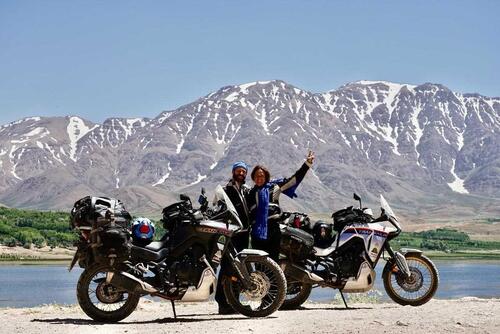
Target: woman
[{"x": 263, "y": 202}]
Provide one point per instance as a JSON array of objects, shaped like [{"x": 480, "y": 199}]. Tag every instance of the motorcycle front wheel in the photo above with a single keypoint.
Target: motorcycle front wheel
[
  {"x": 101, "y": 301},
  {"x": 267, "y": 292},
  {"x": 415, "y": 290}
]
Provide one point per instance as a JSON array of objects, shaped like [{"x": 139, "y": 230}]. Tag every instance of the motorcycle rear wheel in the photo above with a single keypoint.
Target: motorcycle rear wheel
[
  {"x": 101, "y": 301},
  {"x": 415, "y": 290},
  {"x": 267, "y": 294},
  {"x": 296, "y": 294}
]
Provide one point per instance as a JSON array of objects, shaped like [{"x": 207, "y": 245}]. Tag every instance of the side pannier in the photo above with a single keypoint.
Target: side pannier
[
  {"x": 296, "y": 243},
  {"x": 104, "y": 226}
]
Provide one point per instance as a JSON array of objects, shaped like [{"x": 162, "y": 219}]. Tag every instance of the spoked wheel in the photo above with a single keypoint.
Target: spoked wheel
[
  {"x": 296, "y": 294},
  {"x": 266, "y": 294},
  {"x": 415, "y": 290},
  {"x": 101, "y": 301}
]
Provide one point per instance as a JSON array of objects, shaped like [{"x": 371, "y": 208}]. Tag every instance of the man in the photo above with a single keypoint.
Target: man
[{"x": 236, "y": 190}]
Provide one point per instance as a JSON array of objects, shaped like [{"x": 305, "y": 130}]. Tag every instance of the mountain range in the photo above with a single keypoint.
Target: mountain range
[{"x": 429, "y": 150}]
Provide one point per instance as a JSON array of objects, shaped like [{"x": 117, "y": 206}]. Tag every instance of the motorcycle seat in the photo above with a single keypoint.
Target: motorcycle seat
[{"x": 148, "y": 254}]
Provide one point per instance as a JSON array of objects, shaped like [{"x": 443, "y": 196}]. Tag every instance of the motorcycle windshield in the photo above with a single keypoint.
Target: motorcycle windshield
[
  {"x": 387, "y": 209},
  {"x": 220, "y": 195}
]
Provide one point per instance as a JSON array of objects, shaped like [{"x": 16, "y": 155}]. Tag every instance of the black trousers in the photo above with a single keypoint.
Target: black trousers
[
  {"x": 272, "y": 244},
  {"x": 240, "y": 241}
]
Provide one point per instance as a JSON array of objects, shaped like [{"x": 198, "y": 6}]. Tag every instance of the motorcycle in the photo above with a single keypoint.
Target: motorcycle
[
  {"x": 179, "y": 267},
  {"x": 314, "y": 256}
]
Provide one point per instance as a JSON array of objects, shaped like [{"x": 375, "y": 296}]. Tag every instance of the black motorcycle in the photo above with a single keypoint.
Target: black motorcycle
[
  {"x": 180, "y": 267},
  {"x": 313, "y": 255}
]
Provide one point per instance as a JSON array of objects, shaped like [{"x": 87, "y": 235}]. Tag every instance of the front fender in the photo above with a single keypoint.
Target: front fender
[
  {"x": 410, "y": 251},
  {"x": 251, "y": 252},
  {"x": 399, "y": 260},
  {"x": 239, "y": 264}
]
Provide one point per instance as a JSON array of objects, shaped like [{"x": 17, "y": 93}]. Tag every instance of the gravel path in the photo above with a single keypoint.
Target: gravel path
[{"x": 466, "y": 315}]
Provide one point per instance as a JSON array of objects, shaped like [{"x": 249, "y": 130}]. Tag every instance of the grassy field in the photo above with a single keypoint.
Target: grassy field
[{"x": 448, "y": 243}]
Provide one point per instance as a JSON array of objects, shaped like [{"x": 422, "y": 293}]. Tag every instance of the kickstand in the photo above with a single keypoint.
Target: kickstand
[
  {"x": 173, "y": 308},
  {"x": 342, "y": 295}
]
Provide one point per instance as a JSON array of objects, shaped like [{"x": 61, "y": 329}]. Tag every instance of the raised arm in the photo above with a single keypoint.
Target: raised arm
[{"x": 289, "y": 185}]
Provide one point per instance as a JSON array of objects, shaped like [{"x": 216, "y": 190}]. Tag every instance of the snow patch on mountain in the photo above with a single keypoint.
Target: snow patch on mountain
[
  {"x": 164, "y": 177},
  {"x": 15, "y": 154},
  {"x": 198, "y": 180},
  {"x": 458, "y": 184},
  {"x": 387, "y": 83},
  {"x": 183, "y": 136},
  {"x": 262, "y": 120},
  {"x": 55, "y": 155},
  {"x": 38, "y": 131},
  {"x": 76, "y": 129},
  {"x": 128, "y": 127},
  {"x": 26, "y": 119},
  {"x": 417, "y": 131},
  {"x": 232, "y": 97}
]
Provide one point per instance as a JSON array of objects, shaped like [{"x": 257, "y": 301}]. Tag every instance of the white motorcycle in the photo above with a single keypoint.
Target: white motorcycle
[{"x": 313, "y": 256}]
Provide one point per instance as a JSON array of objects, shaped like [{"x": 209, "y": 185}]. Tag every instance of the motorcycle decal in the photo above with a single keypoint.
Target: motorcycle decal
[
  {"x": 373, "y": 239},
  {"x": 213, "y": 230},
  {"x": 376, "y": 245}
]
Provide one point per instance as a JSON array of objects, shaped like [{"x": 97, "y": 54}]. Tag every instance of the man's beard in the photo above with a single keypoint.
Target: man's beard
[{"x": 239, "y": 178}]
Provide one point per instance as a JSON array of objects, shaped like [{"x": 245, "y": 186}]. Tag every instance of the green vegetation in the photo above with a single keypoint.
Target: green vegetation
[
  {"x": 27, "y": 227},
  {"x": 491, "y": 220},
  {"x": 45, "y": 228},
  {"x": 41, "y": 228},
  {"x": 16, "y": 257},
  {"x": 452, "y": 242}
]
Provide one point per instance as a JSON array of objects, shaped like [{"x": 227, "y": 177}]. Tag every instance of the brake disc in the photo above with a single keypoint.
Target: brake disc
[
  {"x": 412, "y": 283},
  {"x": 108, "y": 294},
  {"x": 261, "y": 286}
]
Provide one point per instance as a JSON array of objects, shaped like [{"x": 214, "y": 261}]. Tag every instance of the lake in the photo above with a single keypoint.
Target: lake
[{"x": 32, "y": 285}]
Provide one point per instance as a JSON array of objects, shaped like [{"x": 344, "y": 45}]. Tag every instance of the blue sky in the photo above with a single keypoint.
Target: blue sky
[{"x": 100, "y": 59}]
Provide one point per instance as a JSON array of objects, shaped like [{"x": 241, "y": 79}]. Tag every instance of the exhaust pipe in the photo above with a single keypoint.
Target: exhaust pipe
[
  {"x": 302, "y": 274},
  {"x": 129, "y": 282}
]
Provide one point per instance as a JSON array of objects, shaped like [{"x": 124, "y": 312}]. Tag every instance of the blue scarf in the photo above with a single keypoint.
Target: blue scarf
[{"x": 259, "y": 229}]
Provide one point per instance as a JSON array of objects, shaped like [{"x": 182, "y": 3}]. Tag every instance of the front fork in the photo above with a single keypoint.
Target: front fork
[
  {"x": 398, "y": 260},
  {"x": 239, "y": 264}
]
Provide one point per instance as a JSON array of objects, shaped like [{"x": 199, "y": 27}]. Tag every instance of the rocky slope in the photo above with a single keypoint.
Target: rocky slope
[{"x": 428, "y": 149}]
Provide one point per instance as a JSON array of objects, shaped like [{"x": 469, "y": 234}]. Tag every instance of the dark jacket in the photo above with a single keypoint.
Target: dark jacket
[
  {"x": 276, "y": 187},
  {"x": 238, "y": 198}
]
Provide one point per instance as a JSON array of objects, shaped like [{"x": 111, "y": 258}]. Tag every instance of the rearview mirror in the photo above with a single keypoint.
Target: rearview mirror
[{"x": 357, "y": 198}]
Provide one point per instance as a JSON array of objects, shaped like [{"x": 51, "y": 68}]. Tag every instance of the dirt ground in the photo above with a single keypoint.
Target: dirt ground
[
  {"x": 466, "y": 315},
  {"x": 45, "y": 253}
]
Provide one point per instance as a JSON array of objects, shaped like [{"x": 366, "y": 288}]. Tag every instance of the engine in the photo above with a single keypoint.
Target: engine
[
  {"x": 342, "y": 264},
  {"x": 185, "y": 272},
  {"x": 181, "y": 273}
]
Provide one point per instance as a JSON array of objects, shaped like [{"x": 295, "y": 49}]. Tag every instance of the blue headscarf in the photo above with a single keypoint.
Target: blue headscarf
[{"x": 240, "y": 164}]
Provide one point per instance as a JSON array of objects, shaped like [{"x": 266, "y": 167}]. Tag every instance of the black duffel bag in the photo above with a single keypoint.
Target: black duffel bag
[
  {"x": 93, "y": 211},
  {"x": 104, "y": 225},
  {"x": 349, "y": 216}
]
